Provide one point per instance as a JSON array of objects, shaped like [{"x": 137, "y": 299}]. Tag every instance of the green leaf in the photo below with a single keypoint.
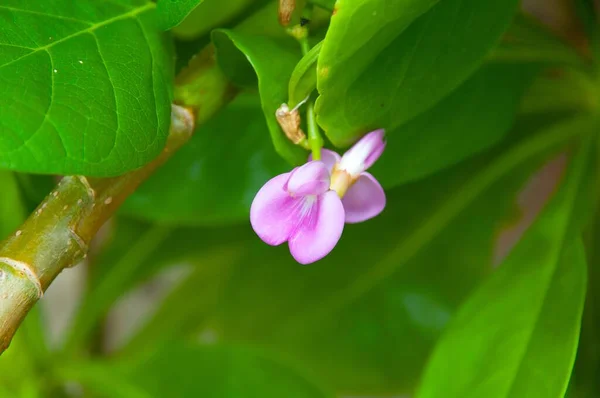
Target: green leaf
[
  {"x": 474, "y": 117},
  {"x": 216, "y": 174},
  {"x": 105, "y": 380},
  {"x": 75, "y": 97},
  {"x": 207, "y": 15},
  {"x": 373, "y": 72},
  {"x": 304, "y": 77},
  {"x": 245, "y": 58},
  {"x": 192, "y": 370},
  {"x": 172, "y": 12},
  {"x": 135, "y": 252},
  {"x": 529, "y": 40},
  {"x": 518, "y": 334}
]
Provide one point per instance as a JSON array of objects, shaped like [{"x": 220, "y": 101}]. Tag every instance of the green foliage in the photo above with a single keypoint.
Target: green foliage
[
  {"x": 221, "y": 371},
  {"x": 172, "y": 12},
  {"x": 304, "y": 77},
  {"x": 75, "y": 98},
  {"x": 12, "y": 209},
  {"x": 208, "y": 15},
  {"x": 502, "y": 342},
  {"x": 471, "y": 283},
  {"x": 425, "y": 60},
  {"x": 215, "y": 174},
  {"x": 273, "y": 61},
  {"x": 474, "y": 117}
]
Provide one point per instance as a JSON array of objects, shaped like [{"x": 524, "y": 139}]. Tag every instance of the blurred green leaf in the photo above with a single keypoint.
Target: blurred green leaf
[
  {"x": 553, "y": 92},
  {"x": 135, "y": 252},
  {"x": 192, "y": 370},
  {"x": 181, "y": 312},
  {"x": 474, "y": 117},
  {"x": 101, "y": 380},
  {"x": 172, "y": 12},
  {"x": 375, "y": 72},
  {"x": 245, "y": 58},
  {"x": 517, "y": 335},
  {"x": 208, "y": 15},
  {"x": 529, "y": 40},
  {"x": 34, "y": 188},
  {"x": 214, "y": 177},
  {"x": 23, "y": 367},
  {"x": 390, "y": 285},
  {"x": 12, "y": 209},
  {"x": 75, "y": 97}
]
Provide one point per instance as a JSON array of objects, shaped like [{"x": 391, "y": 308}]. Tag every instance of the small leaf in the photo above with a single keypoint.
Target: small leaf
[
  {"x": 474, "y": 117},
  {"x": 220, "y": 371},
  {"x": 216, "y": 174},
  {"x": 75, "y": 97},
  {"x": 374, "y": 72},
  {"x": 272, "y": 61},
  {"x": 172, "y": 12},
  {"x": 304, "y": 77},
  {"x": 518, "y": 334}
]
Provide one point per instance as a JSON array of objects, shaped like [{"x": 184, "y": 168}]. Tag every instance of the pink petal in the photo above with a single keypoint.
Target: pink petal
[
  {"x": 364, "y": 200},
  {"x": 309, "y": 179},
  {"x": 320, "y": 229},
  {"x": 364, "y": 153},
  {"x": 271, "y": 210},
  {"x": 330, "y": 158}
]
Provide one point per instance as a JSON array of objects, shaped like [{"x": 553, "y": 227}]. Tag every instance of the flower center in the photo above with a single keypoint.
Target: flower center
[{"x": 341, "y": 180}]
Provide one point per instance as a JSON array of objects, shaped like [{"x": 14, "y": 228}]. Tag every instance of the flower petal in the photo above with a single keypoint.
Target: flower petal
[
  {"x": 320, "y": 230},
  {"x": 364, "y": 153},
  {"x": 271, "y": 210},
  {"x": 330, "y": 158},
  {"x": 364, "y": 200},
  {"x": 309, "y": 179}
]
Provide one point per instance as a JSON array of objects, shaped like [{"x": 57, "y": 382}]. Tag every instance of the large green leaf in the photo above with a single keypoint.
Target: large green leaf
[
  {"x": 474, "y": 117},
  {"x": 518, "y": 334},
  {"x": 76, "y": 98},
  {"x": 192, "y": 370},
  {"x": 246, "y": 57},
  {"x": 216, "y": 174},
  {"x": 172, "y": 12},
  {"x": 372, "y": 72}
]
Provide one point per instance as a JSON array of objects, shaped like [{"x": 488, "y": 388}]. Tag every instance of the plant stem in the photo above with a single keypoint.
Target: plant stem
[
  {"x": 57, "y": 235},
  {"x": 315, "y": 140}
]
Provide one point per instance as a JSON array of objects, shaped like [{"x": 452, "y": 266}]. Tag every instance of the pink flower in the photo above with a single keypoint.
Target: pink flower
[
  {"x": 299, "y": 208},
  {"x": 362, "y": 195},
  {"x": 308, "y": 207}
]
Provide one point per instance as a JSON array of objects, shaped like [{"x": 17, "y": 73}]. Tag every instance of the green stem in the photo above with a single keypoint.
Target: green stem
[
  {"x": 57, "y": 235},
  {"x": 315, "y": 140}
]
